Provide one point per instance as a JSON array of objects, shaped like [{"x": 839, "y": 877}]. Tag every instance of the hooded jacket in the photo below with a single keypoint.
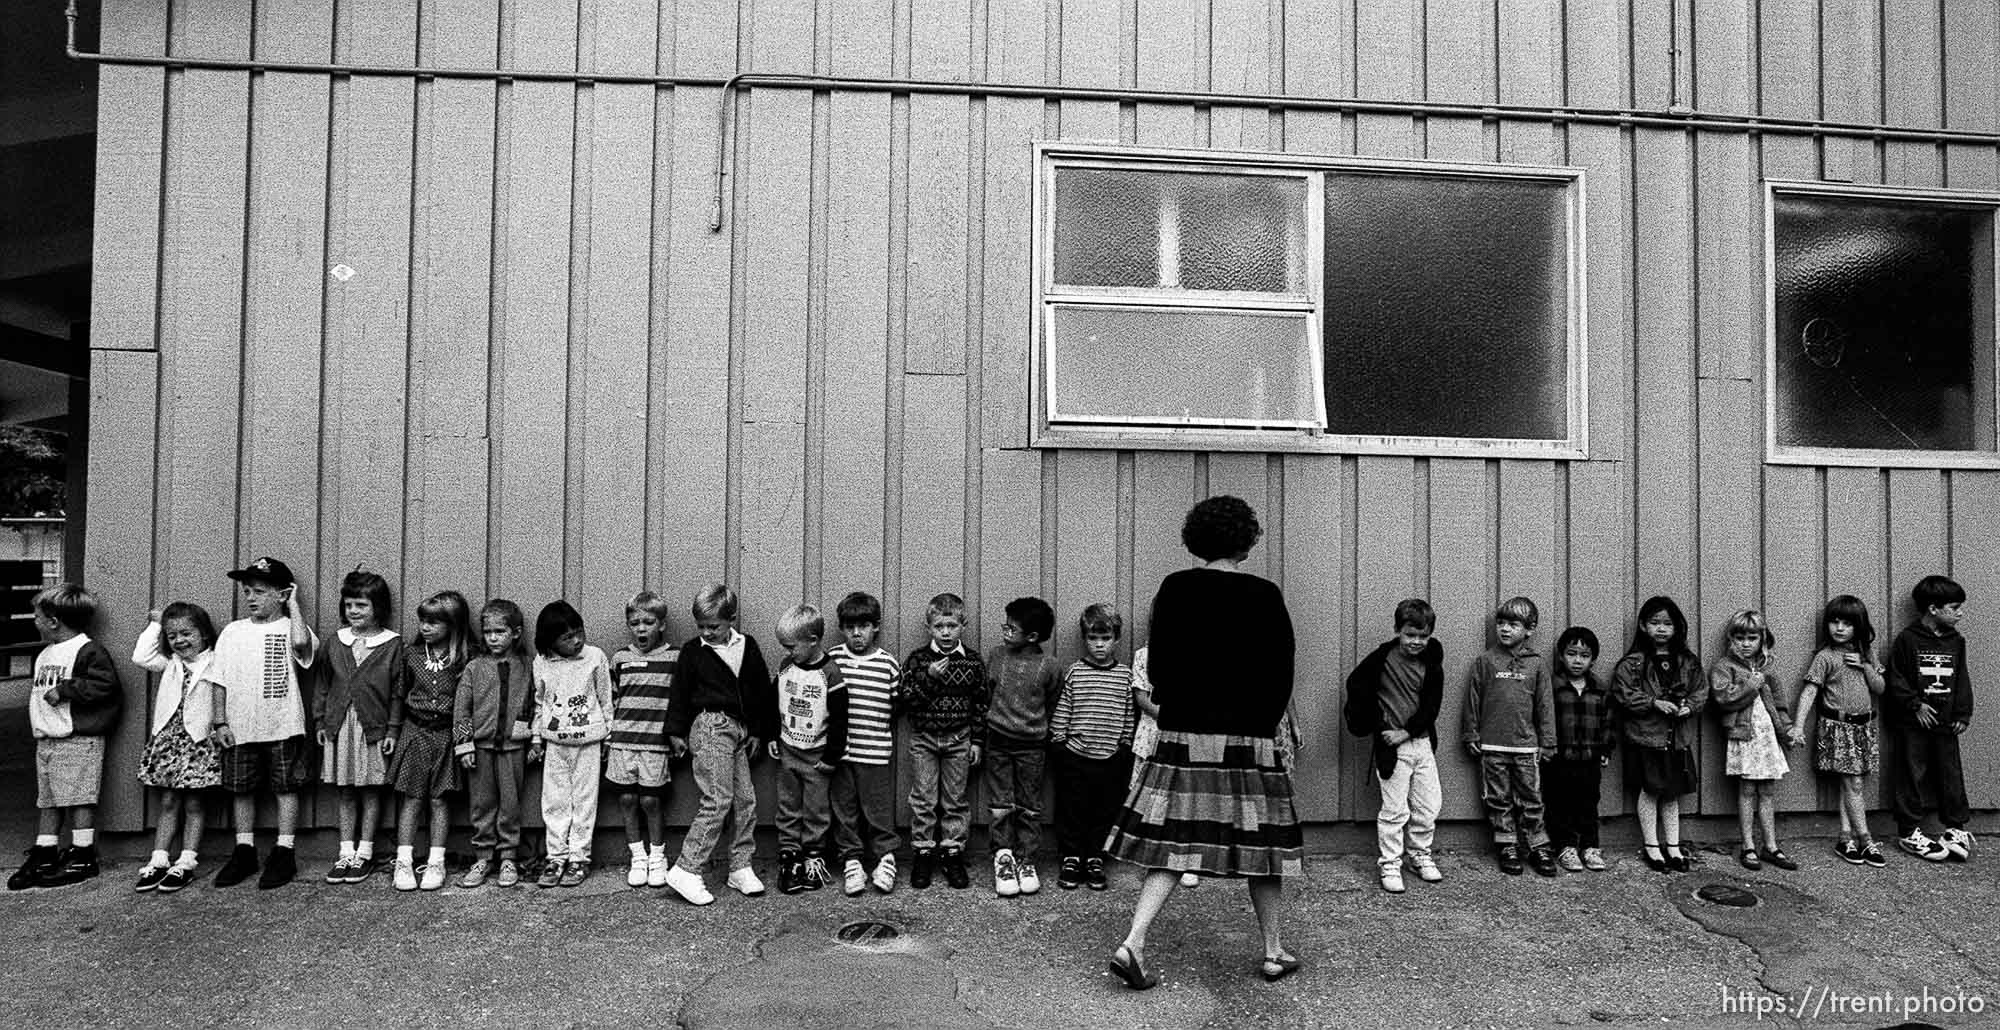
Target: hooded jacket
[{"x": 1927, "y": 667}]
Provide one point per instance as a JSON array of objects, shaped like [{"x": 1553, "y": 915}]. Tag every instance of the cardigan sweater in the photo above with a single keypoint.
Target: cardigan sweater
[
  {"x": 176, "y": 677},
  {"x": 1735, "y": 686},
  {"x": 1363, "y": 708},
  {"x": 1204, "y": 684},
  {"x": 495, "y": 704},
  {"x": 374, "y": 689},
  {"x": 704, "y": 683}
]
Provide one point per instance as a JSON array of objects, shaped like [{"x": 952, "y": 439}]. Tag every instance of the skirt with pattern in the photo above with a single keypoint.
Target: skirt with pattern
[
  {"x": 1761, "y": 757},
  {"x": 423, "y": 765},
  {"x": 349, "y": 760},
  {"x": 1211, "y": 804},
  {"x": 1846, "y": 748},
  {"x": 176, "y": 761}
]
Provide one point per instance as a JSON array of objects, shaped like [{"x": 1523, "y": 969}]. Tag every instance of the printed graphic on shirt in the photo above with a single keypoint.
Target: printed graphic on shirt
[
  {"x": 803, "y": 706},
  {"x": 277, "y": 673},
  {"x": 47, "y": 676},
  {"x": 1934, "y": 668},
  {"x": 576, "y": 717},
  {"x": 1510, "y": 674}
]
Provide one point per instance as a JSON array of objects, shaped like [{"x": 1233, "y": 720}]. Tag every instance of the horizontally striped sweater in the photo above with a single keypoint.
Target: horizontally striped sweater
[
  {"x": 1093, "y": 716},
  {"x": 870, "y": 683},
  {"x": 641, "y": 682}
]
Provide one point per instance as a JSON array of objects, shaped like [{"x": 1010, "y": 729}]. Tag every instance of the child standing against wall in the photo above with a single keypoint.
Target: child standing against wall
[
  {"x": 260, "y": 716},
  {"x": 1393, "y": 698},
  {"x": 642, "y": 678},
  {"x": 180, "y": 760},
  {"x": 1929, "y": 701},
  {"x": 811, "y": 733},
  {"x": 491, "y": 725},
  {"x": 73, "y": 706},
  {"x": 945, "y": 693},
  {"x": 864, "y": 783},
  {"x": 1092, "y": 731},
  {"x": 360, "y": 695},
  {"x": 1841, "y": 685},
  {"x": 1658, "y": 688},
  {"x": 422, "y": 770},
  {"x": 1585, "y": 734},
  {"x": 722, "y": 708},
  {"x": 1756, "y": 722},
  {"x": 1509, "y": 725},
  {"x": 572, "y": 721},
  {"x": 1024, "y": 682}
]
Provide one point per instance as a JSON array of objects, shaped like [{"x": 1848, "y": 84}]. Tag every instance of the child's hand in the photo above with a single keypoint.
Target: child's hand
[
  {"x": 1472, "y": 748},
  {"x": 1959, "y": 725},
  {"x": 1395, "y": 738},
  {"x": 823, "y": 768},
  {"x": 677, "y": 747},
  {"x": 467, "y": 761},
  {"x": 1548, "y": 753},
  {"x": 772, "y": 749},
  {"x": 320, "y": 736},
  {"x": 52, "y": 696},
  {"x": 535, "y": 751},
  {"x": 1794, "y": 738},
  {"x": 222, "y": 736},
  {"x": 972, "y": 755},
  {"x": 388, "y": 746},
  {"x": 1604, "y": 761},
  {"x": 152, "y": 615},
  {"x": 1926, "y": 717},
  {"x": 1666, "y": 707},
  {"x": 938, "y": 667}
]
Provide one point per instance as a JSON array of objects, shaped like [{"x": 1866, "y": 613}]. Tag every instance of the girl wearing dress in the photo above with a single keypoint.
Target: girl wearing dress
[
  {"x": 1756, "y": 721},
  {"x": 1841, "y": 685},
  {"x": 180, "y": 759},
  {"x": 422, "y": 769},
  {"x": 359, "y": 697},
  {"x": 1658, "y": 687},
  {"x": 1216, "y": 796}
]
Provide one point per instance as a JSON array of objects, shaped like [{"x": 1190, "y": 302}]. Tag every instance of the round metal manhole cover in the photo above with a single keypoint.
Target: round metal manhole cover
[
  {"x": 866, "y": 931},
  {"x": 1724, "y": 894}
]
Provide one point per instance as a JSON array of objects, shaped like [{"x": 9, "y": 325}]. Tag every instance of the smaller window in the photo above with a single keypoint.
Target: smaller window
[{"x": 1882, "y": 327}]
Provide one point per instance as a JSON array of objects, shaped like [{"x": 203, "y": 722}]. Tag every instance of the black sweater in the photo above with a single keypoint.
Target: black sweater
[
  {"x": 1221, "y": 653},
  {"x": 1363, "y": 710},
  {"x": 703, "y": 683}
]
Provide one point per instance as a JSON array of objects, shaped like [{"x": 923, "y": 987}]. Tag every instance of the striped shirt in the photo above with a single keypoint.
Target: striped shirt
[
  {"x": 1093, "y": 715},
  {"x": 870, "y": 682},
  {"x": 640, "y": 682}
]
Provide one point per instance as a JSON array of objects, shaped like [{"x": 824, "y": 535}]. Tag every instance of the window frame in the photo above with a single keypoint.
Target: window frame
[
  {"x": 1777, "y": 453},
  {"x": 1256, "y": 435}
]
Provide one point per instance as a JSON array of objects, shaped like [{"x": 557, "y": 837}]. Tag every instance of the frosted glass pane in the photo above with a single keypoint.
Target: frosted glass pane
[
  {"x": 1179, "y": 365},
  {"x": 1179, "y": 230},
  {"x": 1446, "y": 307},
  {"x": 1882, "y": 337}
]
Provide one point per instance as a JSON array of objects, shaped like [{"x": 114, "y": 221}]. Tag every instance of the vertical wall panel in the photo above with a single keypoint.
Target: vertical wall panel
[
  {"x": 1912, "y": 84},
  {"x": 125, "y": 248},
  {"x": 705, "y": 37},
  {"x": 1315, "y": 565},
  {"x": 1163, "y": 489},
  {"x": 1530, "y": 57},
  {"x": 1851, "y": 78},
  {"x": 1458, "y": 68},
  {"x": 1975, "y": 525},
  {"x": 1664, "y": 371},
  {"x": 1166, "y": 31},
  {"x": 615, "y": 344},
  {"x": 1461, "y": 592},
  {"x": 1794, "y": 525},
  {"x": 1600, "y": 575},
  {"x": 1971, "y": 48},
  {"x": 1529, "y": 523},
  {"x": 1857, "y": 544},
  {"x": 1388, "y": 64},
  {"x": 1729, "y": 516},
  {"x": 1244, "y": 475},
  {"x": 931, "y": 545},
  {"x": 1091, "y": 56},
  {"x": 857, "y": 320},
  {"x": 1788, "y": 76},
  {"x": 1087, "y": 543},
  {"x": 451, "y": 291},
  {"x": 1239, "y": 61},
  {"x": 934, "y": 317}
]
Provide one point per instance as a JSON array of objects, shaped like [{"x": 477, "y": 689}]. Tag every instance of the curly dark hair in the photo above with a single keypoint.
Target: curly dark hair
[{"x": 1221, "y": 527}]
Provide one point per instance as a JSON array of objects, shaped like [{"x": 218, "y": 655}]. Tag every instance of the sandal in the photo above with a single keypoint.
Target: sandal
[
  {"x": 1748, "y": 859},
  {"x": 1276, "y": 969},
  {"x": 1777, "y": 857},
  {"x": 1126, "y": 965}
]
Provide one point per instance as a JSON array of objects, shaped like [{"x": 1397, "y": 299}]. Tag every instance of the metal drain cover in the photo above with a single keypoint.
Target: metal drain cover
[
  {"x": 866, "y": 931},
  {"x": 1724, "y": 894}
]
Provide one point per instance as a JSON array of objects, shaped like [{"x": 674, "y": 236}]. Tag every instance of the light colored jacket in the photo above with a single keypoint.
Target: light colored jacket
[{"x": 176, "y": 677}]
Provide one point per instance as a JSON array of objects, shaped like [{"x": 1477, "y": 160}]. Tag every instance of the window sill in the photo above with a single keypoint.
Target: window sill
[
  {"x": 1852, "y": 458},
  {"x": 1130, "y": 438}
]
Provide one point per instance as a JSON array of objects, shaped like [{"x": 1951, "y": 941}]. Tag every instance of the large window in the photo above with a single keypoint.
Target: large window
[
  {"x": 1882, "y": 327},
  {"x": 1195, "y": 299}
]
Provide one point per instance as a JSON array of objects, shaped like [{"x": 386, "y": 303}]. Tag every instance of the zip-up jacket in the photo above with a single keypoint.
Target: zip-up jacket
[
  {"x": 1734, "y": 687},
  {"x": 494, "y": 706},
  {"x": 1363, "y": 708},
  {"x": 1637, "y": 682},
  {"x": 1509, "y": 702}
]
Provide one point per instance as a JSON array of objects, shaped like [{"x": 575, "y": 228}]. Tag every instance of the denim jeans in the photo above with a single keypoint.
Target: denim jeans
[
  {"x": 1511, "y": 785},
  {"x": 718, "y": 745},
  {"x": 1014, "y": 772},
  {"x": 940, "y": 765}
]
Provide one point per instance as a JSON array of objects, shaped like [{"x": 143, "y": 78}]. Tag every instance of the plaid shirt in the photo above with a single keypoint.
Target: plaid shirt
[{"x": 1583, "y": 719}]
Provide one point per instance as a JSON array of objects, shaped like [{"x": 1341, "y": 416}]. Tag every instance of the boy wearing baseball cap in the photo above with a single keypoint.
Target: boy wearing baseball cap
[{"x": 259, "y": 720}]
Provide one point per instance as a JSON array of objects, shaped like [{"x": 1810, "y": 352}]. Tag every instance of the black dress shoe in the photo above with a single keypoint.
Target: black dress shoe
[
  {"x": 1650, "y": 854},
  {"x": 75, "y": 866},
  {"x": 40, "y": 857},
  {"x": 1677, "y": 859},
  {"x": 241, "y": 866}
]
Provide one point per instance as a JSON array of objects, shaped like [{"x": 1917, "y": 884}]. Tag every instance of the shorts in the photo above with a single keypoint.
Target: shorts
[
  {"x": 279, "y": 764},
  {"x": 68, "y": 771},
  {"x": 630, "y": 767}
]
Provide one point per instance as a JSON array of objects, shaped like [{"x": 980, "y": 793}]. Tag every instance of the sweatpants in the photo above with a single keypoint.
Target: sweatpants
[
  {"x": 495, "y": 787},
  {"x": 864, "y": 797},
  {"x": 803, "y": 812},
  {"x": 1928, "y": 774},
  {"x": 569, "y": 798}
]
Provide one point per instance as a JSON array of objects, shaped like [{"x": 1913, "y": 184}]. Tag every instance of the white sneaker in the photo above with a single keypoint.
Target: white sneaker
[
  {"x": 854, "y": 879},
  {"x": 885, "y": 874},
  {"x": 1958, "y": 842},
  {"x": 746, "y": 882},
  {"x": 1190, "y": 880},
  {"x": 1006, "y": 875},
  {"x": 433, "y": 878},
  {"x": 1030, "y": 880},
  {"x": 635, "y": 874},
  {"x": 656, "y": 870},
  {"x": 1392, "y": 881},
  {"x": 688, "y": 886},
  {"x": 1427, "y": 869},
  {"x": 1920, "y": 844},
  {"x": 406, "y": 876}
]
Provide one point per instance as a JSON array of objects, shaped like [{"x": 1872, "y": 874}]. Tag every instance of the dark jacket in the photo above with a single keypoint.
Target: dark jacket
[
  {"x": 1928, "y": 667},
  {"x": 1363, "y": 709},
  {"x": 1636, "y": 683},
  {"x": 374, "y": 689},
  {"x": 1734, "y": 687},
  {"x": 703, "y": 683},
  {"x": 92, "y": 691}
]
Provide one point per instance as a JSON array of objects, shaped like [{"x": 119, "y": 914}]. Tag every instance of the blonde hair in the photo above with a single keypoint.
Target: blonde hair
[
  {"x": 714, "y": 601},
  {"x": 1749, "y": 620},
  {"x": 801, "y": 622}
]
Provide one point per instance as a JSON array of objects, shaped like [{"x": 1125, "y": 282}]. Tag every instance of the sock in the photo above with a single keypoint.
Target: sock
[
  {"x": 246, "y": 839},
  {"x": 159, "y": 858},
  {"x": 365, "y": 851},
  {"x": 286, "y": 840},
  {"x": 187, "y": 858},
  {"x": 83, "y": 838},
  {"x": 405, "y": 854},
  {"x": 657, "y": 851},
  {"x": 46, "y": 840},
  {"x": 346, "y": 850},
  {"x": 436, "y": 857},
  {"x": 638, "y": 852}
]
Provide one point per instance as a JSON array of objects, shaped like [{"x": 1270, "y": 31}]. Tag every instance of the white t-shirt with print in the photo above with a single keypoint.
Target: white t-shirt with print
[
  {"x": 55, "y": 663},
  {"x": 255, "y": 665}
]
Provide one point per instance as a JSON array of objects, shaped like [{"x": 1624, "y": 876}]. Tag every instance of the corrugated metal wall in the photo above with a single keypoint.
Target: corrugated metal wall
[{"x": 545, "y": 376}]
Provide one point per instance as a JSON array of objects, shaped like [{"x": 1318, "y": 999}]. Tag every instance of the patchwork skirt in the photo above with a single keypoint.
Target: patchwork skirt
[{"x": 1211, "y": 804}]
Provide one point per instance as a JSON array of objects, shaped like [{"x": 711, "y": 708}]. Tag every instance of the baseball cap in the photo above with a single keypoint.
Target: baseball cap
[{"x": 265, "y": 570}]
